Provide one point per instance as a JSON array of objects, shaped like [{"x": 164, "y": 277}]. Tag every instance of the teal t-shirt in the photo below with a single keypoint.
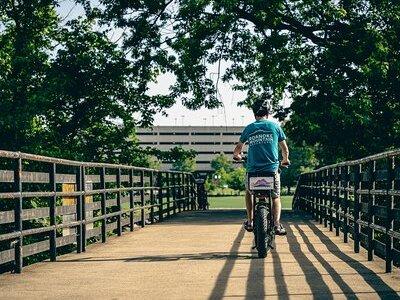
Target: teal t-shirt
[{"x": 263, "y": 137}]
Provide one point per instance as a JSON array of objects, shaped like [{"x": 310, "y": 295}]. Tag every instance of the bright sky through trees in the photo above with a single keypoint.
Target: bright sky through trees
[{"x": 229, "y": 115}]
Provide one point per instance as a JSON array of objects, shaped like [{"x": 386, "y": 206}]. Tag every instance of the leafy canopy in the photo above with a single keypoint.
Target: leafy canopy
[{"x": 69, "y": 88}]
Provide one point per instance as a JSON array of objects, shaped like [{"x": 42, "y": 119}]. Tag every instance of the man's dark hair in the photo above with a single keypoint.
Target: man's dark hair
[{"x": 261, "y": 108}]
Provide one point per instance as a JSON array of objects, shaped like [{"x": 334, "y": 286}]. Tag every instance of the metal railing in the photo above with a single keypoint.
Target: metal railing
[
  {"x": 359, "y": 198},
  {"x": 50, "y": 206}
]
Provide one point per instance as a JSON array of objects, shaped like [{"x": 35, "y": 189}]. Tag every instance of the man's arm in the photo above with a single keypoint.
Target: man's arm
[
  {"x": 285, "y": 153},
  {"x": 237, "y": 153}
]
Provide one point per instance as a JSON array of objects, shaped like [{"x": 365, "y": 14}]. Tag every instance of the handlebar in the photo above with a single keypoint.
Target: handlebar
[
  {"x": 244, "y": 159},
  {"x": 285, "y": 166}
]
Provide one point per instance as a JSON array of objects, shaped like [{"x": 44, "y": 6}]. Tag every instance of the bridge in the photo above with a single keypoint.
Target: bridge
[{"x": 137, "y": 234}]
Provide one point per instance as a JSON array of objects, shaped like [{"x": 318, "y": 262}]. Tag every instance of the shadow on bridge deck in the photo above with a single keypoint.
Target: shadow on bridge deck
[{"x": 207, "y": 255}]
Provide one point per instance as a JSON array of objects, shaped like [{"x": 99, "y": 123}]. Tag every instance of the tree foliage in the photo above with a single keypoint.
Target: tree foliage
[
  {"x": 182, "y": 160},
  {"x": 337, "y": 60},
  {"x": 68, "y": 88},
  {"x": 236, "y": 179},
  {"x": 226, "y": 175},
  {"x": 303, "y": 159},
  {"x": 222, "y": 161},
  {"x": 71, "y": 88}
]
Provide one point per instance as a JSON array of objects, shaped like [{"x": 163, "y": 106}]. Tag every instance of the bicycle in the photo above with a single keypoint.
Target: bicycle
[
  {"x": 261, "y": 186},
  {"x": 201, "y": 194}
]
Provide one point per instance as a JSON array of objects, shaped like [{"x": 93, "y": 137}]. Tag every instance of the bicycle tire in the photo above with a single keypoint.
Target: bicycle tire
[{"x": 262, "y": 237}]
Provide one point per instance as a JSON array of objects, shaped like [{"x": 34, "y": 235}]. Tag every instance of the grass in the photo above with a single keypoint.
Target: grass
[{"x": 238, "y": 202}]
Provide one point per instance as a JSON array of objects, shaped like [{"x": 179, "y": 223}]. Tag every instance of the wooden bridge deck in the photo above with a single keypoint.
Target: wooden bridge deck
[{"x": 207, "y": 255}]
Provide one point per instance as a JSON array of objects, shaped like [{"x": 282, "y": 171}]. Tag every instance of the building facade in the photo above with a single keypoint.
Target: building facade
[{"x": 207, "y": 141}]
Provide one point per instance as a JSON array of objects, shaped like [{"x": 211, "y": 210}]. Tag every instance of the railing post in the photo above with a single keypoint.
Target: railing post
[
  {"x": 52, "y": 210},
  {"x": 306, "y": 194},
  {"x": 174, "y": 192},
  {"x": 337, "y": 201},
  {"x": 79, "y": 218},
  {"x": 180, "y": 192},
  {"x": 309, "y": 194},
  {"x": 331, "y": 199},
  {"x": 168, "y": 194},
  {"x": 119, "y": 206},
  {"x": 18, "y": 216},
  {"x": 131, "y": 201},
  {"x": 83, "y": 207},
  {"x": 306, "y": 191},
  {"x": 389, "y": 215},
  {"x": 371, "y": 203},
  {"x": 312, "y": 194},
  {"x": 325, "y": 195},
  {"x": 357, "y": 196},
  {"x": 185, "y": 193},
  {"x": 320, "y": 197},
  {"x": 103, "y": 204},
  {"x": 314, "y": 198},
  {"x": 319, "y": 184},
  {"x": 346, "y": 204},
  {"x": 151, "y": 197},
  {"x": 160, "y": 196},
  {"x": 192, "y": 193},
  {"x": 142, "y": 200},
  {"x": 303, "y": 191}
]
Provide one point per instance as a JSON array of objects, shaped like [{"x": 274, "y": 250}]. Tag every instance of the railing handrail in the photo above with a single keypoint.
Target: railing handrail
[
  {"x": 387, "y": 154},
  {"x": 61, "y": 161}
]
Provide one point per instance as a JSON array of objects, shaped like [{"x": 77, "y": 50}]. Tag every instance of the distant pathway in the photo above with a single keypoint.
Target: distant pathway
[{"x": 207, "y": 255}]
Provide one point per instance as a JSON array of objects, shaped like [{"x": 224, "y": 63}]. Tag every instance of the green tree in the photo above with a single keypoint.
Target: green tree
[
  {"x": 236, "y": 180},
  {"x": 337, "y": 60},
  {"x": 27, "y": 29},
  {"x": 68, "y": 89},
  {"x": 184, "y": 165},
  {"x": 222, "y": 161},
  {"x": 225, "y": 175},
  {"x": 182, "y": 160},
  {"x": 210, "y": 185},
  {"x": 303, "y": 159}
]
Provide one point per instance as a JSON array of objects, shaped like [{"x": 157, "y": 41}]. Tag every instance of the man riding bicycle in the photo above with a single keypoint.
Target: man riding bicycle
[{"x": 263, "y": 137}]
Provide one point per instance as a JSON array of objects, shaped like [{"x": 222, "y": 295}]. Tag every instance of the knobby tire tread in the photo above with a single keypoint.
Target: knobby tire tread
[{"x": 262, "y": 231}]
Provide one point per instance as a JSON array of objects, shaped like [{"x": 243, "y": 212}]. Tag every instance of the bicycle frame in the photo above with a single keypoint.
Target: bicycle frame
[{"x": 263, "y": 228}]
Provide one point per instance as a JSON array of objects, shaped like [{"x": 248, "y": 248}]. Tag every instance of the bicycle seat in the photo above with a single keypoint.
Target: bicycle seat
[{"x": 261, "y": 174}]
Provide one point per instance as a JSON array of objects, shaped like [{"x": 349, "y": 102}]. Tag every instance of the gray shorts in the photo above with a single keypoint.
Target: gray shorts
[{"x": 277, "y": 185}]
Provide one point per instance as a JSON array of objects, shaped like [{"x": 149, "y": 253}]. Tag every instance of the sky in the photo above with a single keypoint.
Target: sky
[{"x": 228, "y": 115}]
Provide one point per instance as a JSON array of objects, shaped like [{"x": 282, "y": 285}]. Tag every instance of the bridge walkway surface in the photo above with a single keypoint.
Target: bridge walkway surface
[{"x": 207, "y": 255}]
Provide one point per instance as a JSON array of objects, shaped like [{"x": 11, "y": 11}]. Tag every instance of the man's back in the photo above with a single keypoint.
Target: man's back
[{"x": 263, "y": 137}]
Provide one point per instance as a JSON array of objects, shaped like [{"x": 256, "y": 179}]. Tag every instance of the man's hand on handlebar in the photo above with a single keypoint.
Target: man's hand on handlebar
[
  {"x": 237, "y": 157},
  {"x": 285, "y": 163}
]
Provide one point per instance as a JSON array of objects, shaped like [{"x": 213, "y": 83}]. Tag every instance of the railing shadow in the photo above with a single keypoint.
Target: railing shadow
[
  {"x": 207, "y": 217},
  {"x": 326, "y": 265},
  {"x": 222, "y": 280},
  {"x": 255, "y": 287},
  {"x": 313, "y": 278},
  {"x": 165, "y": 258},
  {"x": 373, "y": 280},
  {"x": 280, "y": 282}
]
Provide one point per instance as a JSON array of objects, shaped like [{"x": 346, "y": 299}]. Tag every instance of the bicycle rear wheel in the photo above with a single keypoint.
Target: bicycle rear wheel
[{"x": 261, "y": 231}]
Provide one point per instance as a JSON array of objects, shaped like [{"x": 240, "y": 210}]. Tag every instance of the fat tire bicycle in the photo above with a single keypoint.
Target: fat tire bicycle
[
  {"x": 263, "y": 222},
  {"x": 261, "y": 186}
]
